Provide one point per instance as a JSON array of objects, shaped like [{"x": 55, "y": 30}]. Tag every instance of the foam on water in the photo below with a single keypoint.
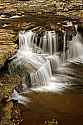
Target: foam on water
[{"x": 48, "y": 60}]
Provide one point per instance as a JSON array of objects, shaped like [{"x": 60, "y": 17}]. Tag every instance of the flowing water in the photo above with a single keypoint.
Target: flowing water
[{"x": 55, "y": 65}]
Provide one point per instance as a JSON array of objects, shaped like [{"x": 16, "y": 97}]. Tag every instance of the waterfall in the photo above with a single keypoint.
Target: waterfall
[
  {"x": 49, "y": 42},
  {"x": 42, "y": 53},
  {"x": 64, "y": 47},
  {"x": 25, "y": 39},
  {"x": 42, "y": 76},
  {"x": 41, "y": 70},
  {"x": 76, "y": 47}
]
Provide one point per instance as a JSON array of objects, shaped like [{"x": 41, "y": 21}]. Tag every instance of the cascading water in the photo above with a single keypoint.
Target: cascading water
[
  {"x": 43, "y": 54},
  {"x": 41, "y": 71},
  {"x": 76, "y": 47},
  {"x": 42, "y": 76}
]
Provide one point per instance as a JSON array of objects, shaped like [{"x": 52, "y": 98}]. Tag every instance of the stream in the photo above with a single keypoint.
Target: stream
[{"x": 51, "y": 66}]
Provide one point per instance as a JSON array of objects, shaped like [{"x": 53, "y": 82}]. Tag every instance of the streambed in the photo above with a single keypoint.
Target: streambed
[
  {"x": 65, "y": 109},
  {"x": 58, "y": 108},
  {"x": 52, "y": 70}
]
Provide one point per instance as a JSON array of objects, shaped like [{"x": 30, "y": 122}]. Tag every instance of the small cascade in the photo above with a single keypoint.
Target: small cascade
[
  {"x": 42, "y": 76},
  {"x": 42, "y": 53},
  {"x": 25, "y": 39},
  {"x": 76, "y": 47},
  {"x": 54, "y": 62},
  {"x": 46, "y": 41},
  {"x": 49, "y": 42},
  {"x": 64, "y": 47},
  {"x": 36, "y": 64}
]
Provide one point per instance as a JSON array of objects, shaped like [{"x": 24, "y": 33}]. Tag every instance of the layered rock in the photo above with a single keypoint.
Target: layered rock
[
  {"x": 7, "y": 45},
  {"x": 18, "y": 14},
  {"x": 58, "y": 7}
]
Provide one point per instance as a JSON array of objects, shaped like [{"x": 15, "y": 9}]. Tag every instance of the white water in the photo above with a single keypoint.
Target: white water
[
  {"x": 21, "y": 99},
  {"x": 76, "y": 47},
  {"x": 49, "y": 42},
  {"x": 45, "y": 61},
  {"x": 25, "y": 55},
  {"x": 42, "y": 76}
]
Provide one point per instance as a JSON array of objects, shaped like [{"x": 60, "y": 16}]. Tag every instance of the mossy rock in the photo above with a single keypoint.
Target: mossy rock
[{"x": 21, "y": 70}]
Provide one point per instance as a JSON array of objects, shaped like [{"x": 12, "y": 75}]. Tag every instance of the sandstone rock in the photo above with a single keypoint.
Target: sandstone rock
[{"x": 7, "y": 45}]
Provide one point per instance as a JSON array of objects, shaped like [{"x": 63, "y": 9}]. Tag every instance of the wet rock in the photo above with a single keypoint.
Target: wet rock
[
  {"x": 66, "y": 8},
  {"x": 22, "y": 71},
  {"x": 39, "y": 13},
  {"x": 80, "y": 29},
  {"x": 16, "y": 116},
  {"x": 7, "y": 84}
]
